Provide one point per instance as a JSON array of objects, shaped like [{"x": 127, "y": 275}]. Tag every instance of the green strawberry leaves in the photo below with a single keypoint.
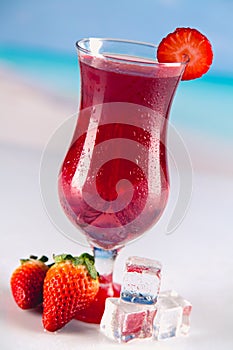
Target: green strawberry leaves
[
  {"x": 89, "y": 261},
  {"x": 43, "y": 259},
  {"x": 84, "y": 259}
]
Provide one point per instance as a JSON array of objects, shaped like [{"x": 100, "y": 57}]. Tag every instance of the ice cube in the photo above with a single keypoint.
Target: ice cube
[
  {"x": 141, "y": 281},
  {"x": 123, "y": 321},
  {"x": 186, "y": 309},
  {"x": 172, "y": 316}
]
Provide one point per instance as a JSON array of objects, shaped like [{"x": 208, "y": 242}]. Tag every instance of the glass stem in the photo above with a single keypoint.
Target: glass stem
[{"x": 104, "y": 262}]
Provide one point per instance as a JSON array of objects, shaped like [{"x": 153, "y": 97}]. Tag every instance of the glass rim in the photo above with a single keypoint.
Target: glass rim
[{"x": 122, "y": 59}]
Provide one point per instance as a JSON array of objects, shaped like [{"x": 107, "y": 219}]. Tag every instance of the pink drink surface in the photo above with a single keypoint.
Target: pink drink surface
[{"x": 113, "y": 183}]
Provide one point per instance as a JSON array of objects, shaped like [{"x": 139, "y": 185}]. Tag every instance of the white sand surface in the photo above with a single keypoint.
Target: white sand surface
[
  {"x": 197, "y": 257},
  {"x": 30, "y": 114}
]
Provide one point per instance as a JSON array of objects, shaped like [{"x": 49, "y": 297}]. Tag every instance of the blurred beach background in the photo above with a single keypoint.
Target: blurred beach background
[
  {"x": 37, "y": 52},
  {"x": 39, "y": 89}
]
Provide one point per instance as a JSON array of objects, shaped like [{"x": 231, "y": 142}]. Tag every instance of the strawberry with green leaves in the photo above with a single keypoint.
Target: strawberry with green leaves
[
  {"x": 27, "y": 282},
  {"x": 190, "y": 45},
  {"x": 71, "y": 284}
]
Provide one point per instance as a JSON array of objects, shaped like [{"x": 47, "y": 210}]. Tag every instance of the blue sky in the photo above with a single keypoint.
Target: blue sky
[{"x": 57, "y": 24}]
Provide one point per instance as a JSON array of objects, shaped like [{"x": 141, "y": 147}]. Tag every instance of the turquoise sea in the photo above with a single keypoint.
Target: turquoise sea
[{"x": 204, "y": 105}]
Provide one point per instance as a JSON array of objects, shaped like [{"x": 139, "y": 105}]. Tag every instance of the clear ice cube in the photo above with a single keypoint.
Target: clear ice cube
[
  {"x": 123, "y": 321},
  {"x": 141, "y": 281},
  {"x": 172, "y": 316},
  {"x": 186, "y": 309}
]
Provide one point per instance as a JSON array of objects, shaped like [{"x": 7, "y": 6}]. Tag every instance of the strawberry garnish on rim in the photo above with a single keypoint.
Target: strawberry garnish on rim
[{"x": 187, "y": 45}]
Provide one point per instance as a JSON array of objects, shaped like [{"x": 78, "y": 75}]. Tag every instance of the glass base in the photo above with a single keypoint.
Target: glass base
[{"x": 94, "y": 312}]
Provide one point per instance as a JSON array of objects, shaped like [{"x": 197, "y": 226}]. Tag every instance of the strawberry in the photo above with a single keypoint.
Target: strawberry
[
  {"x": 187, "y": 45},
  {"x": 27, "y": 282},
  {"x": 71, "y": 284}
]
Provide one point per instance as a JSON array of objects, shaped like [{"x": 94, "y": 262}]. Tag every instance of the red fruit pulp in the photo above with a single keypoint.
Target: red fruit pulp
[{"x": 94, "y": 312}]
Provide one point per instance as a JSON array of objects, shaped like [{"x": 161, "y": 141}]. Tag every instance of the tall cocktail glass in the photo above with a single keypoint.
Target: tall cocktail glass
[{"x": 113, "y": 183}]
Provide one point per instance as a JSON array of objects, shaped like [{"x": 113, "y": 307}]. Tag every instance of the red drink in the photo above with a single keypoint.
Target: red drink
[{"x": 113, "y": 184}]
